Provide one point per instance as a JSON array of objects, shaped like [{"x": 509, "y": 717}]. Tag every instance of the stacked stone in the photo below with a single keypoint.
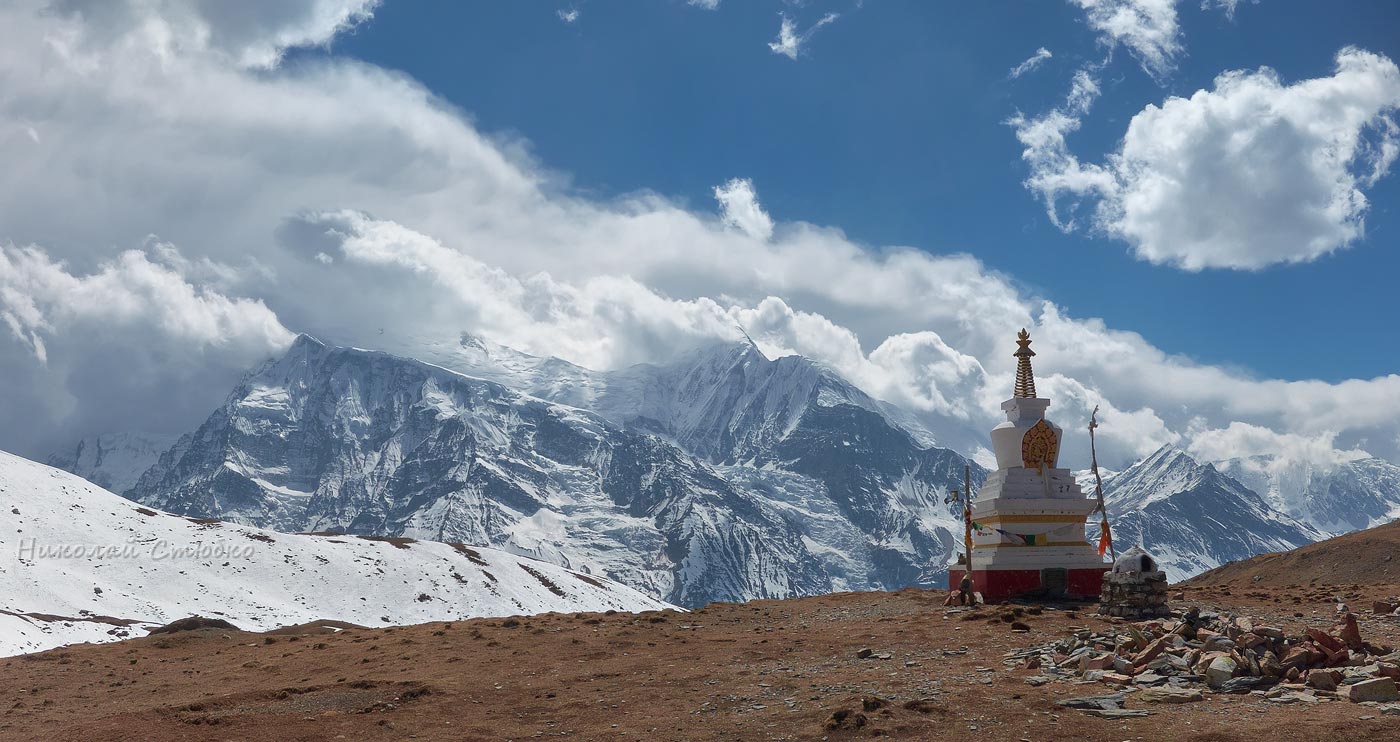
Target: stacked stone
[
  {"x": 1179, "y": 660},
  {"x": 1136, "y": 595}
]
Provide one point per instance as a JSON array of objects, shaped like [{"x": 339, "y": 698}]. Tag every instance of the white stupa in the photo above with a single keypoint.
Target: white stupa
[{"x": 1028, "y": 517}]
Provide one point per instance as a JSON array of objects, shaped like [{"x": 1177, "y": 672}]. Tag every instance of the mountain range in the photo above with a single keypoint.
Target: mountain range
[
  {"x": 90, "y": 566},
  {"x": 720, "y": 474},
  {"x": 725, "y": 476}
]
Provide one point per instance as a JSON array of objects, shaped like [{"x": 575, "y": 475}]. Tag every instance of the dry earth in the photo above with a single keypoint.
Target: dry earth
[
  {"x": 758, "y": 671},
  {"x": 1369, "y": 557}
]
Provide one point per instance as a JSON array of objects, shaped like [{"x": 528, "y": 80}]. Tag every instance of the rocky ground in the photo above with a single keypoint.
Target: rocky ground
[{"x": 837, "y": 667}]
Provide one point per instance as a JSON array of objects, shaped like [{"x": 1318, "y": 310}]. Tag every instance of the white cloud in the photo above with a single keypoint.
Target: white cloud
[
  {"x": 1243, "y": 440},
  {"x": 1227, "y": 6},
  {"x": 789, "y": 42},
  {"x": 1034, "y": 61},
  {"x": 705, "y": 4},
  {"x": 253, "y": 33},
  {"x": 39, "y": 297},
  {"x": 568, "y": 16},
  {"x": 1147, "y": 28},
  {"x": 276, "y": 171},
  {"x": 1253, "y": 173},
  {"x": 739, "y": 208}
]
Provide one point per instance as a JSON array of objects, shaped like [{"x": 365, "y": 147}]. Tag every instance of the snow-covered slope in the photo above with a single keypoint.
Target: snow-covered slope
[
  {"x": 683, "y": 508},
  {"x": 113, "y": 461},
  {"x": 1337, "y": 498},
  {"x": 81, "y": 564},
  {"x": 1192, "y": 517}
]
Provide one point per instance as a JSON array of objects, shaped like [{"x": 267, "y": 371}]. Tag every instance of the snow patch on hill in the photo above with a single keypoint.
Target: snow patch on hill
[{"x": 81, "y": 564}]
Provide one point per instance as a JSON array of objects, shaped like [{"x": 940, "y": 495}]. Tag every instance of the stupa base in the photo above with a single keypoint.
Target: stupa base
[{"x": 1080, "y": 583}]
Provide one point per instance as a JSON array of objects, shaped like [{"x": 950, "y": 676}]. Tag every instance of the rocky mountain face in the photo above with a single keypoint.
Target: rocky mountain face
[
  {"x": 1191, "y": 517},
  {"x": 747, "y": 478},
  {"x": 113, "y": 461},
  {"x": 90, "y": 566},
  {"x": 1335, "y": 499}
]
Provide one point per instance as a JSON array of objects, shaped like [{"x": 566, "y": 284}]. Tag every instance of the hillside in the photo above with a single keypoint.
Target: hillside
[
  {"x": 1362, "y": 558},
  {"x": 81, "y": 564}
]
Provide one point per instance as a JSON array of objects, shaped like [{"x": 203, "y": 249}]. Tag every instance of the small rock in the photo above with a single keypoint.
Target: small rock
[
  {"x": 1038, "y": 680},
  {"x": 864, "y": 652}
]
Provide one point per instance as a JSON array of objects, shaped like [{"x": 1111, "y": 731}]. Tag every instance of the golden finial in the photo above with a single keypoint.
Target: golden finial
[{"x": 1025, "y": 379}]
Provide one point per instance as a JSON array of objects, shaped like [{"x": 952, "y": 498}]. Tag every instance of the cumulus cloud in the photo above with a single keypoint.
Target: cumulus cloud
[
  {"x": 351, "y": 200},
  {"x": 39, "y": 296},
  {"x": 1146, "y": 28},
  {"x": 790, "y": 42},
  {"x": 1034, "y": 61},
  {"x": 1252, "y": 173},
  {"x": 253, "y": 33},
  {"x": 145, "y": 322},
  {"x": 739, "y": 209},
  {"x": 568, "y": 16}
]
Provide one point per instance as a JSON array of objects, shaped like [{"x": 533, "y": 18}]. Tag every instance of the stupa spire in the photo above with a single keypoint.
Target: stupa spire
[{"x": 1025, "y": 378}]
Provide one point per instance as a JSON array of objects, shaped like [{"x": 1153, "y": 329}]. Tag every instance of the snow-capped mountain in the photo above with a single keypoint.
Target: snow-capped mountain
[
  {"x": 793, "y": 418},
  {"x": 799, "y": 491},
  {"x": 1338, "y": 498},
  {"x": 113, "y": 461},
  {"x": 724, "y": 402},
  {"x": 84, "y": 565},
  {"x": 1191, "y": 517}
]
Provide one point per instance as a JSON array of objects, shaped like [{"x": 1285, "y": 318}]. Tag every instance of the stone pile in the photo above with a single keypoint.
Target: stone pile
[
  {"x": 1134, "y": 594},
  {"x": 1180, "y": 660}
]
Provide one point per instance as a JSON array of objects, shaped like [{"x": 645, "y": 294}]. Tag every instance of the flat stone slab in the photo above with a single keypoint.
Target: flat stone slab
[
  {"x": 1116, "y": 713},
  {"x": 1103, "y": 703},
  {"x": 1382, "y": 690},
  {"x": 1171, "y": 695}
]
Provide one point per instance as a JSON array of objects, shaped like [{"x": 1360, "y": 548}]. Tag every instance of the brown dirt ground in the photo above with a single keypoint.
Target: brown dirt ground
[
  {"x": 1369, "y": 557},
  {"x": 768, "y": 670}
]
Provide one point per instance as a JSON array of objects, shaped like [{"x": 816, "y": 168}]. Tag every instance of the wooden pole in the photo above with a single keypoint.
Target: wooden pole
[
  {"x": 967, "y": 514},
  {"x": 1098, "y": 485}
]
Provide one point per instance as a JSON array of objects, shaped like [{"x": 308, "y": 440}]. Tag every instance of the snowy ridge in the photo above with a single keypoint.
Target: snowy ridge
[
  {"x": 158, "y": 567},
  {"x": 113, "y": 461},
  {"x": 1339, "y": 498},
  {"x": 1193, "y": 518}
]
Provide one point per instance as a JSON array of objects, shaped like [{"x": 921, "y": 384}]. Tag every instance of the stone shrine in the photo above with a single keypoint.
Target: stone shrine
[{"x": 1027, "y": 520}]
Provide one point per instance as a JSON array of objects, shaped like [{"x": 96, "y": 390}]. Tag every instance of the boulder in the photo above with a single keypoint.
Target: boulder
[
  {"x": 1220, "y": 671},
  {"x": 1326, "y": 640},
  {"x": 1322, "y": 680},
  {"x": 1383, "y": 607},
  {"x": 1101, "y": 662},
  {"x": 1349, "y": 632},
  {"x": 1382, "y": 690}
]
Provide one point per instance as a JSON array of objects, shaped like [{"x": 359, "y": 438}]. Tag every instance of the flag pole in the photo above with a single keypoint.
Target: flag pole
[
  {"x": 967, "y": 514},
  {"x": 1105, "y": 536}
]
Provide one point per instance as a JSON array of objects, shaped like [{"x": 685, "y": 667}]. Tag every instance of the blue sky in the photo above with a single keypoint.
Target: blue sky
[{"x": 891, "y": 126}]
